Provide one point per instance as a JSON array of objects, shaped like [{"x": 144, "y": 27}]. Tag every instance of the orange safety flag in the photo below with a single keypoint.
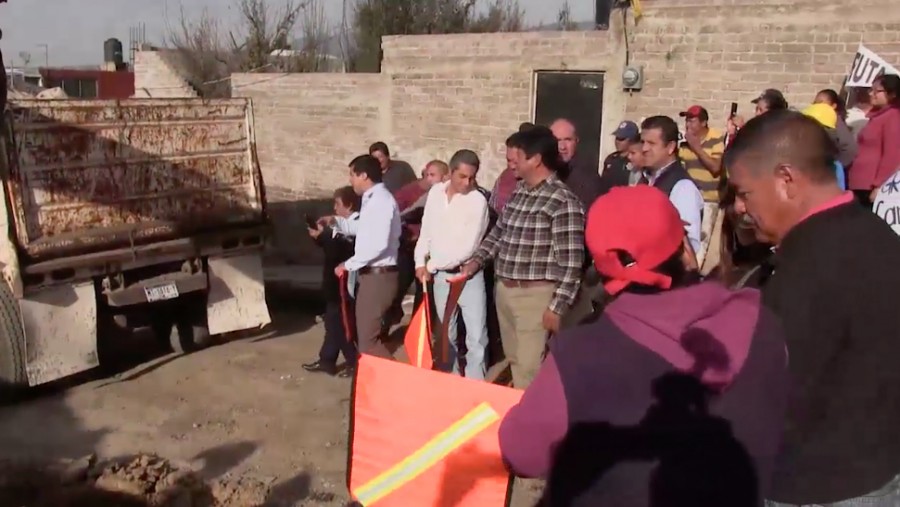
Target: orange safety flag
[
  {"x": 422, "y": 438},
  {"x": 417, "y": 341},
  {"x": 457, "y": 284}
]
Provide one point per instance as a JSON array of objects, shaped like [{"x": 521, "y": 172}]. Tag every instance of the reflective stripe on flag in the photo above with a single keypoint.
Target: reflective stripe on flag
[{"x": 428, "y": 455}]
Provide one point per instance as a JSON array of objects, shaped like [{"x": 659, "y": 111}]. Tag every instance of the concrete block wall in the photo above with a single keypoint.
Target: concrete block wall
[
  {"x": 155, "y": 77},
  {"x": 308, "y": 128},
  {"x": 713, "y": 52},
  {"x": 440, "y": 93},
  {"x": 480, "y": 88}
]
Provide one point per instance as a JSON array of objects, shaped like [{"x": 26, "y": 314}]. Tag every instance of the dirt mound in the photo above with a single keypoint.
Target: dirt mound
[{"x": 143, "y": 481}]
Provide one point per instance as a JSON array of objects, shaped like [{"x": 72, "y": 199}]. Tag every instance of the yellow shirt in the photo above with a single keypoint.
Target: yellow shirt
[{"x": 714, "y": 145}]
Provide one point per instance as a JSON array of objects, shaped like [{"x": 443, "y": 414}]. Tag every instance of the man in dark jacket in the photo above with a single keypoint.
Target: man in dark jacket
[
  {"x": 337, "y": 249},
  {"x": 582, "y": 178},
  {"x": 609, "y": 420},
  {"x": 833, "y": 281},
  {"x": 659, "y": 137},
  {"x": 616, "y": 167}
]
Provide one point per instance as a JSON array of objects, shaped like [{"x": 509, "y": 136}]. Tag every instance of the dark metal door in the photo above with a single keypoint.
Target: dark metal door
[{"x": 578, "y": 97}]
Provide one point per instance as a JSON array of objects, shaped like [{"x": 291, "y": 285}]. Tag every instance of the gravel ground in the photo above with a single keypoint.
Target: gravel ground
[{"x": 242, "y": 416}]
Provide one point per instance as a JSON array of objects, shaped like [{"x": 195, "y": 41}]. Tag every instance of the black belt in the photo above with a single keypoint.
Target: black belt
[
  {"x": 452, "y": 271},
  {"x": 369, "y": 270}
]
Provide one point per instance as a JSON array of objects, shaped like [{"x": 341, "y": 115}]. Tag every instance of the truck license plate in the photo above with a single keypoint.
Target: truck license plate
[{"x": 161, "y": 292}]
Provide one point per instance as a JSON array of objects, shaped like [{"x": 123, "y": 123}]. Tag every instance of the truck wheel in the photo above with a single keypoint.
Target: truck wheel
[
  {"x": 13, "y": 376},
  {"x": 190, "y": 332}
]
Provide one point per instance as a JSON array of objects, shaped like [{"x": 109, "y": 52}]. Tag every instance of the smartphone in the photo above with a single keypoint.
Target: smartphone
[
  {"x": 311, "y": 222},
  {"x": 733, "y": 110}
]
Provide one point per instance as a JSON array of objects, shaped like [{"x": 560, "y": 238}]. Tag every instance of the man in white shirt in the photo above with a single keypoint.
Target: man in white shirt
[
  {"x": 454, "y": 223},
  {"x": 375, "y": 253}
]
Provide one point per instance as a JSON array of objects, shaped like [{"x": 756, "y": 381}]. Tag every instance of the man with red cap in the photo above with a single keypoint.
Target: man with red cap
[
  {"x": 701, "y": 152},
  {"x": 677, "y": 390}
]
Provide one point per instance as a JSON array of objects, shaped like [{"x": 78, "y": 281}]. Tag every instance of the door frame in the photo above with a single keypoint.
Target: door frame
[{"x": 600, "y": 73}]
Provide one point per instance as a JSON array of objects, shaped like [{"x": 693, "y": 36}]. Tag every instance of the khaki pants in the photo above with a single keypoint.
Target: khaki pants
[
  {"x": 714, "y": 249},
  {"x": 520, "y": 311},
  {"x": 707, "y": 233},
  {"x": 374, "y": 294}
]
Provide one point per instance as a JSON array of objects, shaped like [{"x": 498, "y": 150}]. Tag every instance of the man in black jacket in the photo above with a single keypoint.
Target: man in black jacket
[
  {"x": 833, "y": 280},
  {"x": 616, "y": 168},
  {"x": 337, "y": 248},
  {"x": 581, "y": 177}
]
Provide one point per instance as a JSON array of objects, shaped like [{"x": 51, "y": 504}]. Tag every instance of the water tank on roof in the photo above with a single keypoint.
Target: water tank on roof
[{"x": 112, "y": 52}]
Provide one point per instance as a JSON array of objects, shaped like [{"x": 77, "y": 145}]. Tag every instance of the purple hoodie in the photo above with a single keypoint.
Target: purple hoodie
[{"x": 604, "y": 372}]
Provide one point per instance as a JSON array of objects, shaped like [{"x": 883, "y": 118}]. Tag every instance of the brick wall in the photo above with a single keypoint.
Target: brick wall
[
  {"x": 437, "y": 94},
  {"x": 713, "y": 52},
  {"x": 318, "y": 123},
  {"x": 308, "y": 127},
  {"x": 480, "y": 88},
  {"x": 155, "y": 77}
]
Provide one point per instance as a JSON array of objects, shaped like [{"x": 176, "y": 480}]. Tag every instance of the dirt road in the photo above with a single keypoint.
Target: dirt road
[
  {"x": 240, "y": 409},
  {"x": 243, "y": 408}
]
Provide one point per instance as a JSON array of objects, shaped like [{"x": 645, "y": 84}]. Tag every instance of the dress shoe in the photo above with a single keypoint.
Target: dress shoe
[{"x": 320, "y": 367}]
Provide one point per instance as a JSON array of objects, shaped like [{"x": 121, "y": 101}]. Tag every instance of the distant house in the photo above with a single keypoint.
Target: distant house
[
  {"x": 19, "y": 77},
  {"x": 327, "y": 62},
  {"x": 76, "y": 82},
  {"x": 329, "y": 52},
  {"x": 81, "y": 83}
]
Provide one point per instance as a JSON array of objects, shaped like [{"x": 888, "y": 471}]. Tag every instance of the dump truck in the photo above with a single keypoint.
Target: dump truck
[{"x": 142, "y": 214}]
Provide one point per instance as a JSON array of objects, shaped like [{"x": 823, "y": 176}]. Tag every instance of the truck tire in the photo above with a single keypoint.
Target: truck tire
[
  {"x": 182, "y": 326},
  {"x": 186, "y": 337},
  {"x": 13, "y": 375}
]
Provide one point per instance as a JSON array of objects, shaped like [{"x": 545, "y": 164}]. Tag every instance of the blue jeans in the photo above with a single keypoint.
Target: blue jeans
[
  {"x": 888, "y": 496},
  {"x": 473, "y": 307}
]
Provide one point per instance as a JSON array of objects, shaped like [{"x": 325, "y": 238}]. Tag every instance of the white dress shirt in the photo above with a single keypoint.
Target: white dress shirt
[
  {"x": 452, "y": 228},
  {"x": 345, "y": 226},
  {"x": 688, "y": 200},
  {"x": 377, "y": 231},
  {"x": 349, "y": 223}
]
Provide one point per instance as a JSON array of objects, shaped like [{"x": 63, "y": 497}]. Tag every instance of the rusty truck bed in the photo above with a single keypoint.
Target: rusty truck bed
[{"x": 90, "y": 175}]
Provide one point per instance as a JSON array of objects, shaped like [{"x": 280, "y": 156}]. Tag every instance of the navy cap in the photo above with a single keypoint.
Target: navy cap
[{"x": 627, "y": 130}]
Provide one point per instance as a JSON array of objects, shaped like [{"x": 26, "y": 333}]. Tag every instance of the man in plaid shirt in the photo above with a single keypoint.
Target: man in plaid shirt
[{"x": 538, "y": 251}]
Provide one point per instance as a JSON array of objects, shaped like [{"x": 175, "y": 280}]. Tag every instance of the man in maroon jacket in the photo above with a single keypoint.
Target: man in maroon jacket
[
  {"x": 411, "y": 197},
  {"x": 673, "y": 395}
]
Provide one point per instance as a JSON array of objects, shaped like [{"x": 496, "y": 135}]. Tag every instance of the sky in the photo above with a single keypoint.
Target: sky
[{"x": 74, "y": 30}]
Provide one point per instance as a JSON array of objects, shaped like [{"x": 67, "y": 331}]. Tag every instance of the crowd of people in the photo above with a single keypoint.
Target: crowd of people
[{"x": 707, "y": 320}]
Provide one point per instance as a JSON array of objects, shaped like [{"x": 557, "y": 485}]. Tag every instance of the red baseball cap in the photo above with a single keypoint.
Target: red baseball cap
[
  {"x": 695, "y": 111},
  {"x": 640, "y": 221}
]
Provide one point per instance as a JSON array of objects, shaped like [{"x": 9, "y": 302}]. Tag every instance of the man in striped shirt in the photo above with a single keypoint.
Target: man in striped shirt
[
  {"x": 701, "y": 152},
  {"x": 538, "y": 251}
]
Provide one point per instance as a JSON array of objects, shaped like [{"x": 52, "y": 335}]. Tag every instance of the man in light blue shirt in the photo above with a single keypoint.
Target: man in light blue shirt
[{"x": 374, "y": 260}]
